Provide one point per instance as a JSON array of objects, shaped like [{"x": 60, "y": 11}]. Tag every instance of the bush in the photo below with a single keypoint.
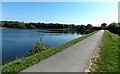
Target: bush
[{"x": 38, "y": 47}]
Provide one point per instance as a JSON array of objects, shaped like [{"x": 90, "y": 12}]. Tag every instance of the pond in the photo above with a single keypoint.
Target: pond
[{"x": 16, "y": 43}]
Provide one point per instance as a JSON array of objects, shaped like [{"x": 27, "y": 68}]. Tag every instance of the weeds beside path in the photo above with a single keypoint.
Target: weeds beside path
[{"x": 108, "y": 55}]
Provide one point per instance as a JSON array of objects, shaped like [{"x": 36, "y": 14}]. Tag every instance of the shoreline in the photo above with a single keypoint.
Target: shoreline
[{"x": 36, "y": 28}]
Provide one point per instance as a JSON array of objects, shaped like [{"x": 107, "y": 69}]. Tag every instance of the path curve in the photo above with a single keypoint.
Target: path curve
[{"x": 72, "y": 59}]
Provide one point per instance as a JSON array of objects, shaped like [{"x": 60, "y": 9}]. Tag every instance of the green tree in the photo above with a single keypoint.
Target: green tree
[
  {"x": 103, "y": 25},
  {"x": 82, "y": 29},
  {"x": 89, "y": 26},
  {"x": 114, "y": 27}
]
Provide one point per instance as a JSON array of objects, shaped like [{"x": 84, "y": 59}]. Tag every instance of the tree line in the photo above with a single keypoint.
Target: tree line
[
  {"x": 84, "y": 29},
  {"x": 21, "y": 25},
  {"x": 31, "y": 25},
  {"x": 113, "y": 27}
]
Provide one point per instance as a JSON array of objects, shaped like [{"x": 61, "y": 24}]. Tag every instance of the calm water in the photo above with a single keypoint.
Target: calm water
[{"x": 17, "y": 43}]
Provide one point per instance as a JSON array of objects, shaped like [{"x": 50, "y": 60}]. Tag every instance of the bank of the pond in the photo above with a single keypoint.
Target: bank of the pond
[
  {"x": 52, "y": 29},
  {"x": 108, "y": 54},
  {"x": 21, "y": 64}
]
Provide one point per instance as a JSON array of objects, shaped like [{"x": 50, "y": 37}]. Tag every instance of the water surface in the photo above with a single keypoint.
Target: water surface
[{"x": 17, "y": 43}]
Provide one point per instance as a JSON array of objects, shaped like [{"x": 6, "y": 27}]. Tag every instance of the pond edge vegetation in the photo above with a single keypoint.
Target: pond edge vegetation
[{"x": 23, "y": 63}]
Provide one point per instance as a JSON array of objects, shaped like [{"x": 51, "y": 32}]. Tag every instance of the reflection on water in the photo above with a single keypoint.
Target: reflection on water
[{"x": 17, "y": 43}]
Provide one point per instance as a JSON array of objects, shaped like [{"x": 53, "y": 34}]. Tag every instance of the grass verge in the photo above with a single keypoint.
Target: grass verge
[
  {"x": 108, "y": 54},
  {"x": 21, "y": 64}
]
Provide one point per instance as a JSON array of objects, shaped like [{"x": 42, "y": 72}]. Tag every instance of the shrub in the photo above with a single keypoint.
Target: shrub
[{"x": 38, "y": 47}]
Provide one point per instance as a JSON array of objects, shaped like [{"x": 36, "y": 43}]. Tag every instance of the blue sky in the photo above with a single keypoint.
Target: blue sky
[{"x": 61, "y": 12}]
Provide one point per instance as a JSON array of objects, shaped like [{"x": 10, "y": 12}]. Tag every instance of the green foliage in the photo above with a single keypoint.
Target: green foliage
[
  {"x": 109, "y": 54},
  {"x": 87, "y": 29},
  {"x": 1, "y": 23},
  {"x": 103, "y": 25},
  {"x": 21, "y": 25},
  {"x": 89, "y": 26},
  {"x": 38, "y": 47},
  {"x": 15, "y": 24},
  {"x": 21, "y": 64},
  {"x": 114, "y": 27}
]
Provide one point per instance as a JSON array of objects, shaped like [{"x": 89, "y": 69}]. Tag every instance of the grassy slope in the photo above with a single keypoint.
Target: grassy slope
[
  {"x": 108, "y": 55},
  {"x": 21, "y": 64}
]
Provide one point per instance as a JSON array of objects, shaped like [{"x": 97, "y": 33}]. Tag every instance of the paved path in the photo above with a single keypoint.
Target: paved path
[{"x": 72, "y": 59}]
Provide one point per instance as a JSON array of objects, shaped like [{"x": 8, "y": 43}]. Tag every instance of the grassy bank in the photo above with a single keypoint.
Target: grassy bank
[
  {"x": 108, "y": 54},
  {"x": 21, "y": 64}
]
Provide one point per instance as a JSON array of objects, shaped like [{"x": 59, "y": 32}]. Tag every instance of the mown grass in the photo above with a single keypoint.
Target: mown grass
[
  {"x": 21, "y": 64},
  {"x": 108, "y": 60}
]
